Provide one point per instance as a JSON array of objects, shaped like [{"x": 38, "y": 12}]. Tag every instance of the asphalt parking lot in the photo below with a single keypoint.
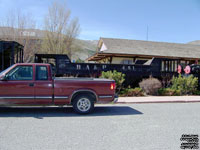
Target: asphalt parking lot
[{"x": 110, "y": 127}]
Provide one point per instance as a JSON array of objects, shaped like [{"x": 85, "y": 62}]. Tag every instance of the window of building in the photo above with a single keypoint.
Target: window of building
[
  {"x": 126, "y": 61},
  {"x": 163, "y": 66}
]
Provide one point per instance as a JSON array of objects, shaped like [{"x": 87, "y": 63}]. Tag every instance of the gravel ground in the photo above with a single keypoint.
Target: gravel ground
[{"x": 110, "y": 127}]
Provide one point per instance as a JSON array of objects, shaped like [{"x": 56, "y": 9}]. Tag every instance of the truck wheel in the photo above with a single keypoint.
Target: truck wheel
[{"x": 83, "y": 104}]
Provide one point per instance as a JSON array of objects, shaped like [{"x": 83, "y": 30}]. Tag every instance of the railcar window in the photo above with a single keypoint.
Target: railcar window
[{"x": 169, "y": 65}]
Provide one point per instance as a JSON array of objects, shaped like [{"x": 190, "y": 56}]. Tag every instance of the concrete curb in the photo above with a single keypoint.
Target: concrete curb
[
  {"x": 157, "y": 102},
  {"x": 159, "y": 99}
]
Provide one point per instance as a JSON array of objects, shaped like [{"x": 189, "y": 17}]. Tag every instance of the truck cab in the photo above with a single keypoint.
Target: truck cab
[{"x": 26, "y": 84}]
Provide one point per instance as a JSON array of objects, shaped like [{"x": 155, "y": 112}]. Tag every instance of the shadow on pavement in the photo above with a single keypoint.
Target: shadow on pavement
[{"x": 65, "y": 111}]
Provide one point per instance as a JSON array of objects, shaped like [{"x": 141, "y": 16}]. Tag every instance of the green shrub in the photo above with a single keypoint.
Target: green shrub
[
  {"x": 79, "y": 60},
  {"x": 132, "y": 92},
  {"x": 114, "y": 75},
  {"x": 150, "y": 86},
  {"x": 185, "y": 84},
  {"x": 197, "y": 92},
  {"x": 169, "y": 92}
]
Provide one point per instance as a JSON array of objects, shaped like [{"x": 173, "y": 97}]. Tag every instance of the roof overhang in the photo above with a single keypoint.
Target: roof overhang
[{"x": 100, "y": 56}]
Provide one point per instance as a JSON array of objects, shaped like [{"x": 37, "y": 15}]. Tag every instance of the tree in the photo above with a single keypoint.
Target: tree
[
  {"x": 14, "y": 28},
  {"x": 61, "y": 31}
]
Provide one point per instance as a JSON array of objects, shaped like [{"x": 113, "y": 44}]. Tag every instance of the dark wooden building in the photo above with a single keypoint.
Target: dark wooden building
[{"x": 11, "y": 52}]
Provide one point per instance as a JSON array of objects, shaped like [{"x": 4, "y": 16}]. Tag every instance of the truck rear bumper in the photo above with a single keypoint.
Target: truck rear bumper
[{"x": 107, "y": 99}]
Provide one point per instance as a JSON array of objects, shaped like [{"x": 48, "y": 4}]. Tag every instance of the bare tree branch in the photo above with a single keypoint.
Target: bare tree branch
[
  {"x": 15, "y": 29},
  {"x": 60, "y": 30}
]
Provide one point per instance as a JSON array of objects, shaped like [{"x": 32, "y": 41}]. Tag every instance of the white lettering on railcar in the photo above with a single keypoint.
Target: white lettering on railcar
[
  {"x": 104, "y": 67},
  {"x": 88, "y": 67},
  {"x": 78, "y": 67},
  {"x": 95, "y": 67}
]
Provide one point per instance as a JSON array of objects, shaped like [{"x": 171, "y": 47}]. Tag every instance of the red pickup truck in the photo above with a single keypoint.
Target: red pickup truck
[{"x": 33, "y": 84}]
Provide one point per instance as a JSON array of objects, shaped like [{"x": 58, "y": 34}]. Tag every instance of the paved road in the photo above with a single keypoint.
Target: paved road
[{"x": 110, "y": 127}]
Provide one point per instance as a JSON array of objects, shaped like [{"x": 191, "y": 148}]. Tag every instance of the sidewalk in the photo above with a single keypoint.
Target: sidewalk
[{"x": 159, "y": 99}]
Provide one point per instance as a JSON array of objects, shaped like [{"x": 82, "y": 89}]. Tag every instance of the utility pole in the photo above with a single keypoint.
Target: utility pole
[{"x": 147, "y": 33}]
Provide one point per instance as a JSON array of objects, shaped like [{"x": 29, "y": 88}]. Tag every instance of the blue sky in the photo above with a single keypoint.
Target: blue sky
[{"x": 167, "y": 20}]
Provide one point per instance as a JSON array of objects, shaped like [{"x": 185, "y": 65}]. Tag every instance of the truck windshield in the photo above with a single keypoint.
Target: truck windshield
[{"x": 5, "y": 70}]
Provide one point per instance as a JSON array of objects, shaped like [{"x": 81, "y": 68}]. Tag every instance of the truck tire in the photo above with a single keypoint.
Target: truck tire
[{"x": 83, "y": 104}]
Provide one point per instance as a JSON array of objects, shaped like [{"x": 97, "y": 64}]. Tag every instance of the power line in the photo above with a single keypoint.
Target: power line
[{"x": 147, "y": 35}]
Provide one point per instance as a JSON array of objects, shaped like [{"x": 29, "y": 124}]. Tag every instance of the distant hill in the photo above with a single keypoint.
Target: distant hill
[
  {"x": 197, "y": 42},
  {"x": 82, "y": 48}
]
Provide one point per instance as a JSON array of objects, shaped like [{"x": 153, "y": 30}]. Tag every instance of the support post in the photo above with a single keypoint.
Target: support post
[
  {"x": 12, "y": 54},
  {"x": 17, "y": 61},
  {"x": 2, "y": 56},
  {"x": 111, "y": 59},
  {"x": 22, "y": 55}
]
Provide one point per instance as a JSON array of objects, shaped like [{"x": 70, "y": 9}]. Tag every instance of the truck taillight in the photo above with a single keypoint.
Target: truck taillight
[{"x": 112, "y": 86}]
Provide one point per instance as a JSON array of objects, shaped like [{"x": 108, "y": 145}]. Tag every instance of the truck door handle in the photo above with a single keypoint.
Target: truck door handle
[{"x": 31, "y": 84}]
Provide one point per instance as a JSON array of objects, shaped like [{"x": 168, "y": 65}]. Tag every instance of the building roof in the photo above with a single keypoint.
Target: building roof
[
  {"x": 146, "y": 48},
  {"x": 7, "y": 45}
]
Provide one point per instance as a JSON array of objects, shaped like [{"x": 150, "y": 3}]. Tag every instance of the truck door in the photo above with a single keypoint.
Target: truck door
[
  {"x": 43, "y": 85},
  {"x": 18, "y": 86}
]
